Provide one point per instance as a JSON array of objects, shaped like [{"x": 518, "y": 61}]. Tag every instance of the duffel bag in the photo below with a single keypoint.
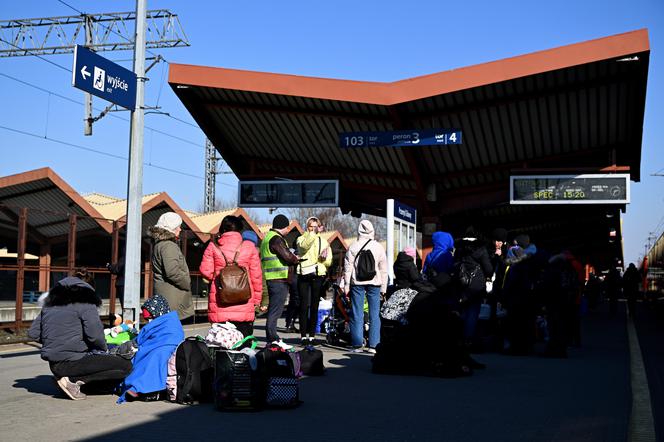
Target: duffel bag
[{"x": 311, "y": 361}]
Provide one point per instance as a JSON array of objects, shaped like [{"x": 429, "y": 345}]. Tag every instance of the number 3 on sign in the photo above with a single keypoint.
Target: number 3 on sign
[{"x": 453, "y": 137}]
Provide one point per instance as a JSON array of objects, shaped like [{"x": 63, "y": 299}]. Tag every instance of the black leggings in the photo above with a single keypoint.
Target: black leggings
[
  {"x": 93, "y": 368},
  {"x": 309, "y": 287}
]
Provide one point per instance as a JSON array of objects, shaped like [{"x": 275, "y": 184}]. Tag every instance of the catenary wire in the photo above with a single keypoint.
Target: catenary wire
[
  {"x": 112, "y": 115},
  {"x": 100, "y": 152}
]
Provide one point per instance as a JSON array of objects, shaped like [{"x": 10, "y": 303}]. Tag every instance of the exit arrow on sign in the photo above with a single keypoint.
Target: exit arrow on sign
[
  {"x": 98, "y": 76},
  {"x": 85, "y": 74}
]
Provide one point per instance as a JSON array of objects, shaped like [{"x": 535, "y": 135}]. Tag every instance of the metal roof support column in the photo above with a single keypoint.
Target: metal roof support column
[
  {"x": 71, "y": 245},
  {"x": 115, "y": 245},
  {"x": 20, "y": 273},
  {"x": 45, "y": 268}
]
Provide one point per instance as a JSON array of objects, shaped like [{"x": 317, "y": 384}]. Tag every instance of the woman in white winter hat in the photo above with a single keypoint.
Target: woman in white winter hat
[{"x": 169, "y": 268}]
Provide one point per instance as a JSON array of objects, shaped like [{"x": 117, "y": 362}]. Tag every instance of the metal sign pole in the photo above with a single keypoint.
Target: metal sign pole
[
  {"x": 390, "y": 239},
  {"x": 87, "y": 124},
  {"x": 135, "y": 185}
]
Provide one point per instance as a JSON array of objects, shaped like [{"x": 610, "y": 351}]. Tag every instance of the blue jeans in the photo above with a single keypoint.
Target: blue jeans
[
  {"x": 357, "y": 293},
  {"x": 470, "y": 315},
  {"x": 277, "y": 292}
]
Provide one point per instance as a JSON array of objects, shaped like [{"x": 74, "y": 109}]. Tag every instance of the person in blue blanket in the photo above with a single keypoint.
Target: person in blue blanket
[{"x": 156, "y": 343}]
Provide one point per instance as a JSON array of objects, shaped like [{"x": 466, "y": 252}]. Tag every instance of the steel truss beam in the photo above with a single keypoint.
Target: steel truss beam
[{"x": 110, "y": 31}]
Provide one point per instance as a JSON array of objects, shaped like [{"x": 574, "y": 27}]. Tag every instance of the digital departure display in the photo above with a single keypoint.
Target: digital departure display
[
  {"x": 570, "y": 189},
  {"x": 277, "y": 193}
]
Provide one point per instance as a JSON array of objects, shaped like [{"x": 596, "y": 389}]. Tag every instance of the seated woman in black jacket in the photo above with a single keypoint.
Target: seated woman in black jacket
[
  {"x": 72, "y": 338},
  {"x": 405, "y": 270}
]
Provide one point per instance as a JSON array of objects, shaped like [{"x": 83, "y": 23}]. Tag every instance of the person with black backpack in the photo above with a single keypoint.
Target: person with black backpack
[
  {"x": 472, "y": 267},
  {"x": 365, "y": 274}
]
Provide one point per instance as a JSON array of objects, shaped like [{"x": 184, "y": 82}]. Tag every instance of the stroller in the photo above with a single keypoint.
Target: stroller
[{"x": 336, "y": 326}]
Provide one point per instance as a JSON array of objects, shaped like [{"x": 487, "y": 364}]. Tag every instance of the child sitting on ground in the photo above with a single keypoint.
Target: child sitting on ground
[{"x": 156, "y": 342}]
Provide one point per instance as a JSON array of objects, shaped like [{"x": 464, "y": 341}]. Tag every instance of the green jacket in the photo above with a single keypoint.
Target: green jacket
[{"x": 170, "y": 272}]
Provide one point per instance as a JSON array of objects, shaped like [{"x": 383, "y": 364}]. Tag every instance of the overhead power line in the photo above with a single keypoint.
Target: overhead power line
[
  {"x": 71, "y": 100},
  {"x": 99, "y": 152}
]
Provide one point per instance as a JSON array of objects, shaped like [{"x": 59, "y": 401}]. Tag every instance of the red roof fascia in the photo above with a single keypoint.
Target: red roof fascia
[{"x": 413, "y": 88}]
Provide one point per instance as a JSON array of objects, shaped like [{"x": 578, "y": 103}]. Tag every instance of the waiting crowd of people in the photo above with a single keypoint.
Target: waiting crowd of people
[{"x": 472, "y": 292}]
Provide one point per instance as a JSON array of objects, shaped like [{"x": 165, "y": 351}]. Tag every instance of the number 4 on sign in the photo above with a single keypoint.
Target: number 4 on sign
[{"x": 453, "y": 137}]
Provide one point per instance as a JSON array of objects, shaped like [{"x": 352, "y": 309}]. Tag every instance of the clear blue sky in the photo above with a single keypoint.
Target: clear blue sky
[{"x": 363, "y": 40}]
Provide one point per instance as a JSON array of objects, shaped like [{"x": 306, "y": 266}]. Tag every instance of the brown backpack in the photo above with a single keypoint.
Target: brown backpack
[{"x": 232, "y": 282}]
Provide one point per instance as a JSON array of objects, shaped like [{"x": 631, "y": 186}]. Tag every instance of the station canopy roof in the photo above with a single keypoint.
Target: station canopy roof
[{"x": 572, "y": 109}]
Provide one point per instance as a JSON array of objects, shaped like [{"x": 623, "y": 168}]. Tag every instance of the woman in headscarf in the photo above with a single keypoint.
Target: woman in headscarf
[
  {"x": 169, "y": 268},
  {"x": 440, "y": 259}
]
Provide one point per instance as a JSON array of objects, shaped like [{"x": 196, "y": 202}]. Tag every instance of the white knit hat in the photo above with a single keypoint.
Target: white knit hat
[
  {"x": 366, "y": 228},
  {"x": 169, "y": 221}
]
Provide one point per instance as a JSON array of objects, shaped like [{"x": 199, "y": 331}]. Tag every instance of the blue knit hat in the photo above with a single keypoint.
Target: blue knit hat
[
  {"x": 157, "y": 305},
  {"x": 249, "y": 235}
]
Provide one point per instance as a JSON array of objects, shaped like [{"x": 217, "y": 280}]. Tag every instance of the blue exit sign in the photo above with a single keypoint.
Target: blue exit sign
[{"x": 101, "y": 77}]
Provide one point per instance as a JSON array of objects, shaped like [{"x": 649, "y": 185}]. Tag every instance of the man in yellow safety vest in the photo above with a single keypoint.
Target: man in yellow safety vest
[{"x": 277, "y": 263}]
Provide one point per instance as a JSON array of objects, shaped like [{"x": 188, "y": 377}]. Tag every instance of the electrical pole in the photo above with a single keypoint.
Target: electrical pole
[
  {"x": 87, "y": 121},
  {"x": 135, "y": 185},
  {"x": 210, "y": 175}
]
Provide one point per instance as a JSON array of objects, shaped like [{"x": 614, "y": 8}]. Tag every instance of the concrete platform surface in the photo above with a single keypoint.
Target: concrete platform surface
[{"x": 584, "y": 398}]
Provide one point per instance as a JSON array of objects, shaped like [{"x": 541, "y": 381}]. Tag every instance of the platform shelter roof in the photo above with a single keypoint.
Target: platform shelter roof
[
  {"x": 577, "y": 108},
  {"x": 50, "y": 200}
]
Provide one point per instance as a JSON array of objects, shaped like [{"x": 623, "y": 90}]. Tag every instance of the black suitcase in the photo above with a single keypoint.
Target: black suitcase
[{"x": 237, "y": 385}]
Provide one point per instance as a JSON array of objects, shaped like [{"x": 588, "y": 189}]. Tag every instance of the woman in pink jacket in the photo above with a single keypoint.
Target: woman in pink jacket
[{"x": 230, "y": 241}]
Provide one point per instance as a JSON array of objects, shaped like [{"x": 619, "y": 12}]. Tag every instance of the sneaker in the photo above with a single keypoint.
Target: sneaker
[
  {"x": 72, "y": 389},
  {"x": 357, "y": 350},
  {"x": 292, "y": 329},
  {"x": 371, "y": 350},
  {"x": 282, "y": 344}
]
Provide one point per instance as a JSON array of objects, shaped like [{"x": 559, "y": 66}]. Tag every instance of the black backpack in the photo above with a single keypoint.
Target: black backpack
[
  {"x": 195, "y": 372},
  {"x": 465, "y": 272},
  {"x": 365, "y": 265}
]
